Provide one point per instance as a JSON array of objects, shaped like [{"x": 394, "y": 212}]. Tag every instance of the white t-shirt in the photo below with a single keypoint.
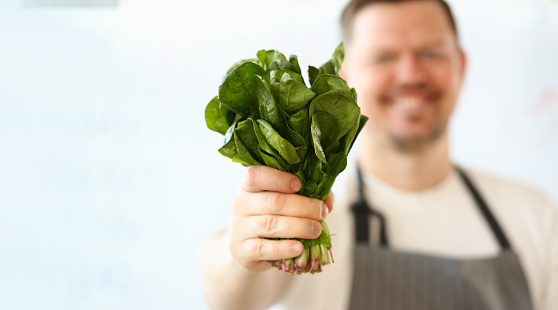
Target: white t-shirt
[{"x": 442, "y": 221}]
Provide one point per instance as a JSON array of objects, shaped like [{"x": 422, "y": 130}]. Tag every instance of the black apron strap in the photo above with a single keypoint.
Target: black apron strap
[
  {"x": 361, "y": 212},
  {"x": 483, "y": 207}
]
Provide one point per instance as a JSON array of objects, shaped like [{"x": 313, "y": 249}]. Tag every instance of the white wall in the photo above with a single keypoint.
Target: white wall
[{"x": 109, "y": 179}]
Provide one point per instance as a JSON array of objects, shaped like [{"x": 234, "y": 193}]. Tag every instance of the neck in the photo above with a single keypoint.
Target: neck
[{"x": 412, "y": 171}]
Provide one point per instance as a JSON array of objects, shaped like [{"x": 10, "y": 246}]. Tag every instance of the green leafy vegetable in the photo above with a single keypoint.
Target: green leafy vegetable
[{"x": 269, "y": 116}]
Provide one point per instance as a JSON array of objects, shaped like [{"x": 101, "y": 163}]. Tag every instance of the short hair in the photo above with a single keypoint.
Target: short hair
[{"x": 354, "y": 6}]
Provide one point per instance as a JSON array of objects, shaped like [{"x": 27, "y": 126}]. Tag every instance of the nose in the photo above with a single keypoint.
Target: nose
[{"x": 410, "y": 71}]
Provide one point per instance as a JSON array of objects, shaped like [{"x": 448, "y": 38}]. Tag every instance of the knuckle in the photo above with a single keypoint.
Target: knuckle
[
  {"x": 269, "y": 223},
  {"x": 260, "y": 249},
  {"x": 276, "y": 200}
]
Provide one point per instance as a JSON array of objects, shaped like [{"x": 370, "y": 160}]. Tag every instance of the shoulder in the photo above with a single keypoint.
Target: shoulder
[
  {"x": 523, "y": 208},
  {"x": 500, "y": 189}
]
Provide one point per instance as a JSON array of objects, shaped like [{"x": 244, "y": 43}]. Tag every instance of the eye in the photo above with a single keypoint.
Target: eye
[
  {"x": 384, "y": 58},
  {"x": 429, "y": 54}
]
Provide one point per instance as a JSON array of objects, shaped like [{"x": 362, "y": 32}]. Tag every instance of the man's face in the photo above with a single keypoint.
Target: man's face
[{"x": 404, "y": 62}]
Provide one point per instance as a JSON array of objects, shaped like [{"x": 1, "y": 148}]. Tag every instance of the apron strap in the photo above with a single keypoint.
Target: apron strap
[
  {"x": 361, "y": 212},
  {"x": 483, "y": 207}
]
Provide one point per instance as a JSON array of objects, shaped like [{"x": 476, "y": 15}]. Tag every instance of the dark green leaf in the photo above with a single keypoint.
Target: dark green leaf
[
  {"x": 294, "y": 60},
  {"x": 227, "y": 115},
  {"x": 281, "y": 65},
  {"x": 327, "y": 82},
  {"x": 229, "y": 149},
  {"x": 291, "y": 95},
  {"x": 268, "y": 57},
  {"x": 272, "y": 162},
  {"x": 270, "y": 157},
  {"x": 245, "y": 134},
  {"x": 281, "y": 146},
  {"x": 243, "y": 155},
  {"x": 316, "y": 139},
  {"x": 341, "y": 106},
  {"x": 313, "y": 73},
  {"x": 235, "y": 90},
  {"x": 361, "y": 123},
  {"x": 269, "y": 111},
  {"x": 337, "y": 57},
  {"x": 238, "y": 63},
  {"x": 300, "y": 123},
  {"x": 347, "y": 140},
  {"x": 275, "y": 76},
  {"x": 313, "y": 169},
  {"x": 328, "y": 128},
  {"x": 328, "y": 68},
  {"x": 213, "y": 118}
]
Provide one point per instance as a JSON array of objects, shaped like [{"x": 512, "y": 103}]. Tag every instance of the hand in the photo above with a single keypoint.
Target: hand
[{"x": 266, "y": 206}]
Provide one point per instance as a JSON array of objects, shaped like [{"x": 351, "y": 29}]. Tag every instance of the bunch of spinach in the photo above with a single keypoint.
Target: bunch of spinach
[{"x": 270, "y": 117}]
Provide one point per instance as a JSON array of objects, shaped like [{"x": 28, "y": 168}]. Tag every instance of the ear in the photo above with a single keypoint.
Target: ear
[{"x": 464, "y": 63}]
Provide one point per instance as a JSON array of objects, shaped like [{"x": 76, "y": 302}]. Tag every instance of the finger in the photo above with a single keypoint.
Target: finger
[
  {"x": 276, "y": 203},
  {"x": 329, "y": 201},
  {"x": 263, "y": 178},
  {"x": 274, "y": 226},
  {"x": 263, "y": 250}
]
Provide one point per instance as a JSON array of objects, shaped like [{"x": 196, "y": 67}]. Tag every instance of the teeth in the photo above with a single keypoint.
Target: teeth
[{"x": 407, "y": 103}]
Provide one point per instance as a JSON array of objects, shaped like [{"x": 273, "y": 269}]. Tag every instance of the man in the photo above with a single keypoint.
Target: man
[{"x": 433, "y": 236}]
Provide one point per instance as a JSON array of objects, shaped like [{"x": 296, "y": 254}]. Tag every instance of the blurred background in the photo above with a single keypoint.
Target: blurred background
[{"x": 109, "y": 178}]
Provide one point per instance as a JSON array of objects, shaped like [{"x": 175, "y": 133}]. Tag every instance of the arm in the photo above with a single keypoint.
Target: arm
[{"x": 235, "y": 268}]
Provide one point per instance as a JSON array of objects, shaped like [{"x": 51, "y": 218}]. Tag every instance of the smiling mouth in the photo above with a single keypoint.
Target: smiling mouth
[{"x": 408, "y": 104}]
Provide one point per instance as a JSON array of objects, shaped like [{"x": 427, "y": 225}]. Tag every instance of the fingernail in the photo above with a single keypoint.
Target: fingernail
[
  {"x": 325, "y": 210},
  {"x": 316, "y": 228},
  {"x": 297, "y": 248},
  {"x": 296, "y": 185}
]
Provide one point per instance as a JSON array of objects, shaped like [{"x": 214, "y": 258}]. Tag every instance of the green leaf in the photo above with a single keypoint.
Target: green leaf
[
  {"x": 243, "y": 155},
  {"x": 266, "y": 58},
  {"x": 227, "y": 115},
  {"x": 361, "y": 123},
  {"x": 281, "y": 146},
  {"x": 327, "y": 82},
  {"x": 313, "y": 73},
  {"x": 272, "y": 162},
  {"x": 213, "y": 118},
  {"x": 235, "y": 91},
  {"x": 269, "y": 111},
  {"x": 229, "y": 149},
  {"x": 247, "y": 142},
  {"x": 240, "y": 62},
  {"x": 341, "y": 106},
  {"x": 313, "y": 170},
  {"x": 337, "y": 57},
  {"x": 316, "y": 139},
  {"x": 328, "y": 128},
  {"x": 294, "y": 61},
  {"x": 347, "y": 140},
  {"x": 275, "y": 76},
  {"x": 292, "y": 95},
  {"x": 281, "y": 65},
  {"x": 328, "y": 68},
  {"x": 300, "y": 123},
  {"x": 270, "y": 157}
]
